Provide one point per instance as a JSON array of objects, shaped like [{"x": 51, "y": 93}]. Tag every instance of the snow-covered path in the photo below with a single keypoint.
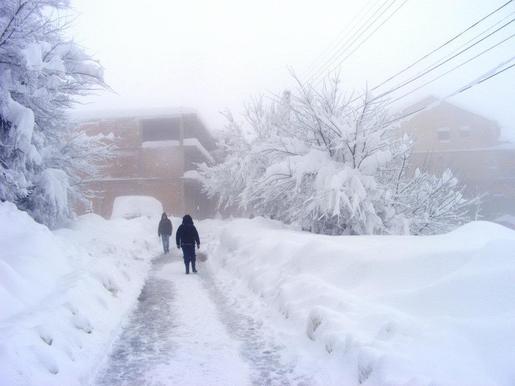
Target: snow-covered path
[
  {"x": 186, "y": 332},
  {"x": 174, "y": 336}
]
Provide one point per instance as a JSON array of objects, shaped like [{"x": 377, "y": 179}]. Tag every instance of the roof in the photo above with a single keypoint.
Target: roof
[
  {"x": 434, "y": 103},
  {"x": 137, "y": 113},
  {"x": 505, "y": 146}
]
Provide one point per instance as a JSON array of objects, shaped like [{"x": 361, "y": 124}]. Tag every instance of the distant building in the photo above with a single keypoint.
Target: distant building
[
  {"x": 448, "y": 136},
  {"x": 156, "y": 156}
]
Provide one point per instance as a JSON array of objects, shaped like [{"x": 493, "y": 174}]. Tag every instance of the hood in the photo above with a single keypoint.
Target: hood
[{"x": 187, "y": 219}]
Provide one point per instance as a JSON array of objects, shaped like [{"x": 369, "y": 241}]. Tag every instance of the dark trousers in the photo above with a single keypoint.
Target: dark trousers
[{"x": 189, "y": 257}]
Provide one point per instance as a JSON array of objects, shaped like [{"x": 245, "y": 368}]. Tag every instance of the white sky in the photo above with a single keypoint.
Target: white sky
[{"x": 215, "y": 55}]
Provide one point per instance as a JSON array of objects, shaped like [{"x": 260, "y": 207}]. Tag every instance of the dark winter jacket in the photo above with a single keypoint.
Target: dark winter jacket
[
  {"x": 165, "y": 226},
  {"x": 187, "y": 233}
]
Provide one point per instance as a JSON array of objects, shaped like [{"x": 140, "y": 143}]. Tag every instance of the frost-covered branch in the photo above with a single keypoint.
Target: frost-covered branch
[
  {"x": 331, "y": 167},
  {"x": 42, "y": 73}
]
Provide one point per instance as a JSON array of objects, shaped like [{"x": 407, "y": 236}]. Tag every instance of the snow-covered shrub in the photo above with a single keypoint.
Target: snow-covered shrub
[
  {"x": 228, "y": 179},
  {"x": 41, "y": 72},
  {"x": 331, "y": 166}
]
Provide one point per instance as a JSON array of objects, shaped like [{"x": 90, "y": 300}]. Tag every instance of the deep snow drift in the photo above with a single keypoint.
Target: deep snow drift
[
  {"x": 371, "y": 310},
  {"x": 387, "y": 310},
  {"x": 64, "y": 294}
]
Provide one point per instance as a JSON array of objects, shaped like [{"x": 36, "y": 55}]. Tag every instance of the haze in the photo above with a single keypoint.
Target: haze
[{"x": 214, "y": 56}]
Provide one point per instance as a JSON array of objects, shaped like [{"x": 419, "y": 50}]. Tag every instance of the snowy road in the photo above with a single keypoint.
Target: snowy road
[{"x": 186, "y": 331}]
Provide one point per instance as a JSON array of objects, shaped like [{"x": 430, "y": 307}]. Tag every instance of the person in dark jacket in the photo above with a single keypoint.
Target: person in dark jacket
[
  {"x": 165, "y": 231},
  {"x": 186, "y": 238}
]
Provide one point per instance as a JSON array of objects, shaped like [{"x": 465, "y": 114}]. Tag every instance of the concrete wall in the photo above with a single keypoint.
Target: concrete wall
[{"x": 154, "y": 171}]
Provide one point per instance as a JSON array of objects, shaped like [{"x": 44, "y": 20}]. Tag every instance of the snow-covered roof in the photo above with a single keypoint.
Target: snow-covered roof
[
  {"x": 191, "y": 175},
  {"x": 122, "y": 179},
  {"x": 431, "y": 102},
  {"x": 160, "y": 144},
  {"x": 194, "y": 142},
  {"x": 157, "y": 112},
  {"x": 188, "y": 142}
]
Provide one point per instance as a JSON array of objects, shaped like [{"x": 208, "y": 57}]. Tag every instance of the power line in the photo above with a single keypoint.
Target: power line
[
  {"x": 370, "y": 35},
  {"x": 343, "y": 43},
  {"x": 451, "y": 70},
  {"x": 431, "y": 69},
  {"x": 494, "y": 74},
  {"x": 442, "y": 45},
  {"x": 468, "y": 41},
  {"x": 485, "y": 77},
  {"x": 356, "y": 35},
  {"x": 339, "y": 37}
]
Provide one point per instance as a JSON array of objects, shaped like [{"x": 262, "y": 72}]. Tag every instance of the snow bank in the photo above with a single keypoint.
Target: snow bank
[
  {"x": 160, "y": 144},
  {"x": 387, "y": 310},
  {"x": 63, "y": 294},
  {"x": 135, "y": 206},
  {"x": 192, "y": 175},
  {"x": 507, "y": 220}
]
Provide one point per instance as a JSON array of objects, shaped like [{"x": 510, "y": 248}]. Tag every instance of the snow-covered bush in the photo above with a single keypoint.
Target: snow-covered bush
[
  {"x": 331, "y": 166},
  {"x": 41, "y": 72}
]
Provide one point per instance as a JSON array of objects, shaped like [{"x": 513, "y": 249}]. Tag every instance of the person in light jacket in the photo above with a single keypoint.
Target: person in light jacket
[
  {"x": 164, "y": 231},
  {"x": 186, "y": 238}
]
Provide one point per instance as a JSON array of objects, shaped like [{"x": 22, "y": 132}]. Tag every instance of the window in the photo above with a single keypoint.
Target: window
[
  {"x": 161, "y": 129},
  {"x": 464, "y": 131},
  {"x": 444, "y": 134},
  {"x": 492, "y": 163}
]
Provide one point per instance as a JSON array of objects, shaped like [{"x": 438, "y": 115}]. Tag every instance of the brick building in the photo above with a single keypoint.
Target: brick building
[
  {"x": 156, "y": 155},
  {"x": 448, "y": 136}
]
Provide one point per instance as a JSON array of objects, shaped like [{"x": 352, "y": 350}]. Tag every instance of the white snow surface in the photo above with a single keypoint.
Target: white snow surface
[
  {"x": 63, "y": 294},
  {"x": 272, "y": 305},
  {"x": 387, "y": 310},
  {"x": 192, "y": 175},
  {"x": 507, "y": 220},
  {"x": 175, "y": 336},
  {"x": 160, "y": 144},
  {"x": 136, "y": 206},
  {"x": 23, "y": 119},
  {"x": 194, "y": 142},
  {"x": 189, "y": 142}
]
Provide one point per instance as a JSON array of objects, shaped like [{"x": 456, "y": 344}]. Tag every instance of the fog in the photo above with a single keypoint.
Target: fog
[
  {"x": 330, "y": 242},
  {"x": 213, "y": 56}
]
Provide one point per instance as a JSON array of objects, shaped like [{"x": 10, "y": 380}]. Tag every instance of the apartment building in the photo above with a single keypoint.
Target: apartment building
[
  {"x": 448, "y": 136},
  {"x": 156, "y": 155}
]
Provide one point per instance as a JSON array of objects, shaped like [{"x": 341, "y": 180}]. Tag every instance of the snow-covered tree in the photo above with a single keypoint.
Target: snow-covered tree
[
  {"x": 331, "y": 166},
  {"x": 231, "y": 145},
  {"x": 42, "y": 72}
]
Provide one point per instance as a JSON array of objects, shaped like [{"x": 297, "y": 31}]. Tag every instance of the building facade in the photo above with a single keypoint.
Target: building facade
[
  {"x": 449, "y": 137},
  {"x": 155, "y": 155}
]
